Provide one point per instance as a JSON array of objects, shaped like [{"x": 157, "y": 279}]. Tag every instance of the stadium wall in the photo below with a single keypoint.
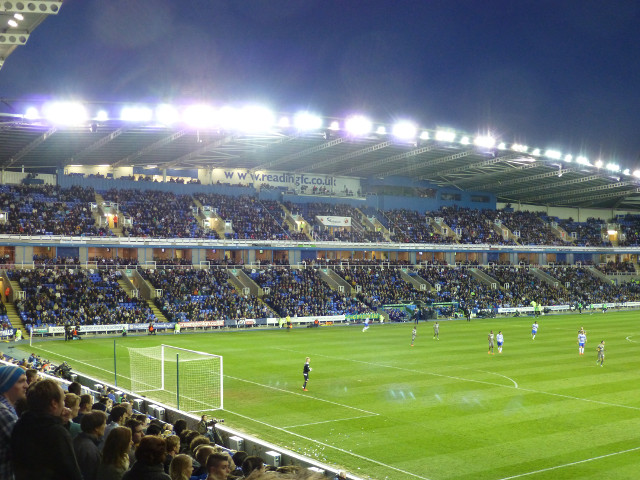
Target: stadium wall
[{"x": 578, "y": 214}]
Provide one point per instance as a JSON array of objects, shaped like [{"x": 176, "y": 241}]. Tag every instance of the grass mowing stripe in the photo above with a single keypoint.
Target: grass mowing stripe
[
  {"x": 302, "y": 395},
  {"x": 600, "y": 457},
  {"x": 361, "y": 457}
]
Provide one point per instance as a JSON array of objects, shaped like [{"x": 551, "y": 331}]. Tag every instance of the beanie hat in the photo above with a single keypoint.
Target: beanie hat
[{"x": 9, "y": 375}]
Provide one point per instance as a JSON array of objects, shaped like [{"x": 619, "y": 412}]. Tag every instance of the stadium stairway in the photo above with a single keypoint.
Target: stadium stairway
[
  {"x": 291, "y": 221},
  {"x": 14, "y": 318},
  {"x": 443, "y": 229},
  {"x": 157, "y": 312},
  {"x": 546, "y": 278}
]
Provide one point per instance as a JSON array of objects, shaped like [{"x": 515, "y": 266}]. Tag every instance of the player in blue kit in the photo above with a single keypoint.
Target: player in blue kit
[
  {"x": 500, "y": 340},
  {"x": 534, "y": 330},
  {"x": 582, "y": 339}
]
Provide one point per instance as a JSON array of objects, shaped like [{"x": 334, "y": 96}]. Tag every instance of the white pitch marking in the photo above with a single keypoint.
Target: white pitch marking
[
  {"x": 572, "y": 463},
  {"x": 329, "y": 421},
  {"x": 482, "y": 382},
  {"x": 330, "y": 446},
  {"x": 500, "y": 375},
  {"x": 300, "y": 394},
  {"x": 628, "y": 339}
]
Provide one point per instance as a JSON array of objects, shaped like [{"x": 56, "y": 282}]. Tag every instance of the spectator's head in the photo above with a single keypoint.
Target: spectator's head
[
  {"x": 75, "y": 387},
  {"x": 151, "y": 451},
  {"x": 202, "y": 452},
  {"x": 85, "y": 403},
  {"x": 197, "y": 441},
  {"x": 32, "y": 375},
  {"x": 129, "y": 408},
  {"x": 181, "y": 467},
  {"x": 252, "y": 463},
  {"x": 239, "y": 457},
  {"x": 179, "y": 426},
  {"x": 13, "y": 383},
  {"x": 137, "y": 431},
  {"x": 118, "y": 414},
  {"x": 72, "y": 402},
  {"x": 45, "y": 396},
  {"x": 94, "y": 423},
  {"x": 154, "y": 429},
  {"x": 218, "y": 466},
  {"x": 173, "y": 444},
  {"x": 116, "y": 447}
]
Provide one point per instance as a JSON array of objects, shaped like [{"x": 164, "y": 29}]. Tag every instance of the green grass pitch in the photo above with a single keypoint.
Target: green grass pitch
[{"x": 441, "y": 410}]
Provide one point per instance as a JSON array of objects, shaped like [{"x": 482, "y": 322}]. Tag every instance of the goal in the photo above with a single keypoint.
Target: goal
[{"x": 185, "y": 379}]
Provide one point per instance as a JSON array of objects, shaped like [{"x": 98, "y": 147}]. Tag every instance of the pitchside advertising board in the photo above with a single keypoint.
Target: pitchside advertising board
[
  {"x": 6, "y": 333},
  {"x": 285, "y": 179}
]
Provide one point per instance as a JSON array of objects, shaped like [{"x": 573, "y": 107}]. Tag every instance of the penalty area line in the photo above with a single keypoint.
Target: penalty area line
[
  {"x": 305, "y": 396},
  {"x": 318, "y": 442},
  {"x": 599, "y": 457},
  {"x": 330, "y": 421}
]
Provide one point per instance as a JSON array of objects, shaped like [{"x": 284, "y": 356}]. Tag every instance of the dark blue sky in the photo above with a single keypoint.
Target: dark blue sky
[{"x": 551, "y": 74}]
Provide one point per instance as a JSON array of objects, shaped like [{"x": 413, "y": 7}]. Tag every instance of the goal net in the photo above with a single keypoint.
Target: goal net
[{"x": 185, "y": 379}]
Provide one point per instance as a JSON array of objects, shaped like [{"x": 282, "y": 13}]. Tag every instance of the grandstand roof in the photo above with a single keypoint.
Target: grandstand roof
[
  {"x": 24, "y": 18},
  {"x": 510, "y": 175}
]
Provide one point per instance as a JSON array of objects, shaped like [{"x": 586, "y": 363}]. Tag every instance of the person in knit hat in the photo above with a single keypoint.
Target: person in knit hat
[{"x": 13, "y": 387}]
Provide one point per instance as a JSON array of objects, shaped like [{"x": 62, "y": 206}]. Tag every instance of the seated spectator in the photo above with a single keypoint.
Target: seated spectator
[
  {"x": 150, "y": 456},
  {"x": 40, "y": 430},
  {"x": 218, "y": 466},
  {"x": 115, "y": 454},
  {"x": 72, "y": 402},
  {"x": 13, "y": 388},
  {"x": 173, "y": 449},
  {"x": 181, "y": 467},
  {"x": 86, "y": 402},
  {"x": 86, "y": 443},
  {"x": 252, "y": 464},
  {"x": 137, "y": 434}
]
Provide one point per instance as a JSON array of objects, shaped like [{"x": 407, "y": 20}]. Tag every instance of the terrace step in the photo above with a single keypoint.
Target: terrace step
[
  {"x": 14, "y": 318},
  {"x": 157, "y": 312}
]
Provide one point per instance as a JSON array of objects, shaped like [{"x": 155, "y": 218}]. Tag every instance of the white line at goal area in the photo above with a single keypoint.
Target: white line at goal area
[{"x": 178, "y": 377}]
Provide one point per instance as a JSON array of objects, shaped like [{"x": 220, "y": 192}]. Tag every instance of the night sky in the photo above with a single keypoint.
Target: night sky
[{"x": 550, "y": 74}]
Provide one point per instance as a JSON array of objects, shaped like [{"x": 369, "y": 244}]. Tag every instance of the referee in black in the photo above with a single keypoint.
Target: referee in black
[{"x": 305, "y": 373}]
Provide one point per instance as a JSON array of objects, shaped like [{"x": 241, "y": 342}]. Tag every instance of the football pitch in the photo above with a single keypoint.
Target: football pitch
[{"x": 441, "y": 410}]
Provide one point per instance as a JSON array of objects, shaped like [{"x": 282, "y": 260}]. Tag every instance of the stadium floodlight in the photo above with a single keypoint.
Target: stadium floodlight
[
  {"x": 424, "y": 135},
  {"x": 405, "y": 130},
  {"x": 484, "y": 141},
  {"x": 553, "y": 154},
  {"x": 582, "y": 160},
  {"x": 199, "y": 116},
  {"x": 502, "y": 146},
  {"x": 31, "y": 113},
  {"x": 599, "y": 163},
  {"x": 65, "y": 113},
  {"x": 305, "y": 121},
  {"x": 516, "y": 147},
  {"x": 136, "y": 114},
  {"x": 335, "y": 125},
  {"x": 256, "y": 119},
  {"x": 381, "y": 130},
  {"x": 284, "y": 122},
  {"x": 465, "y": 140},
  {"x": 614, "y": 167},
  {"x": 358, "y": 125},
  {"x": 167, "y": 114},
  {"x": 12, "y": 23},
  {"x": 568, "y": 158},
  {"x": 102, "y": 116},
  {"x": 536, "y": 152},
  {"x": 636, "y": 173},
  {"x": 445, "y": 135},
  {"x": 18, "y": 16},
  {"x": 626, "y": 171}
]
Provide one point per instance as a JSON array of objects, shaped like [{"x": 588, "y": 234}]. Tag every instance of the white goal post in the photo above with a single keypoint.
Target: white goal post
[{"x": 189, "y": 380}]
